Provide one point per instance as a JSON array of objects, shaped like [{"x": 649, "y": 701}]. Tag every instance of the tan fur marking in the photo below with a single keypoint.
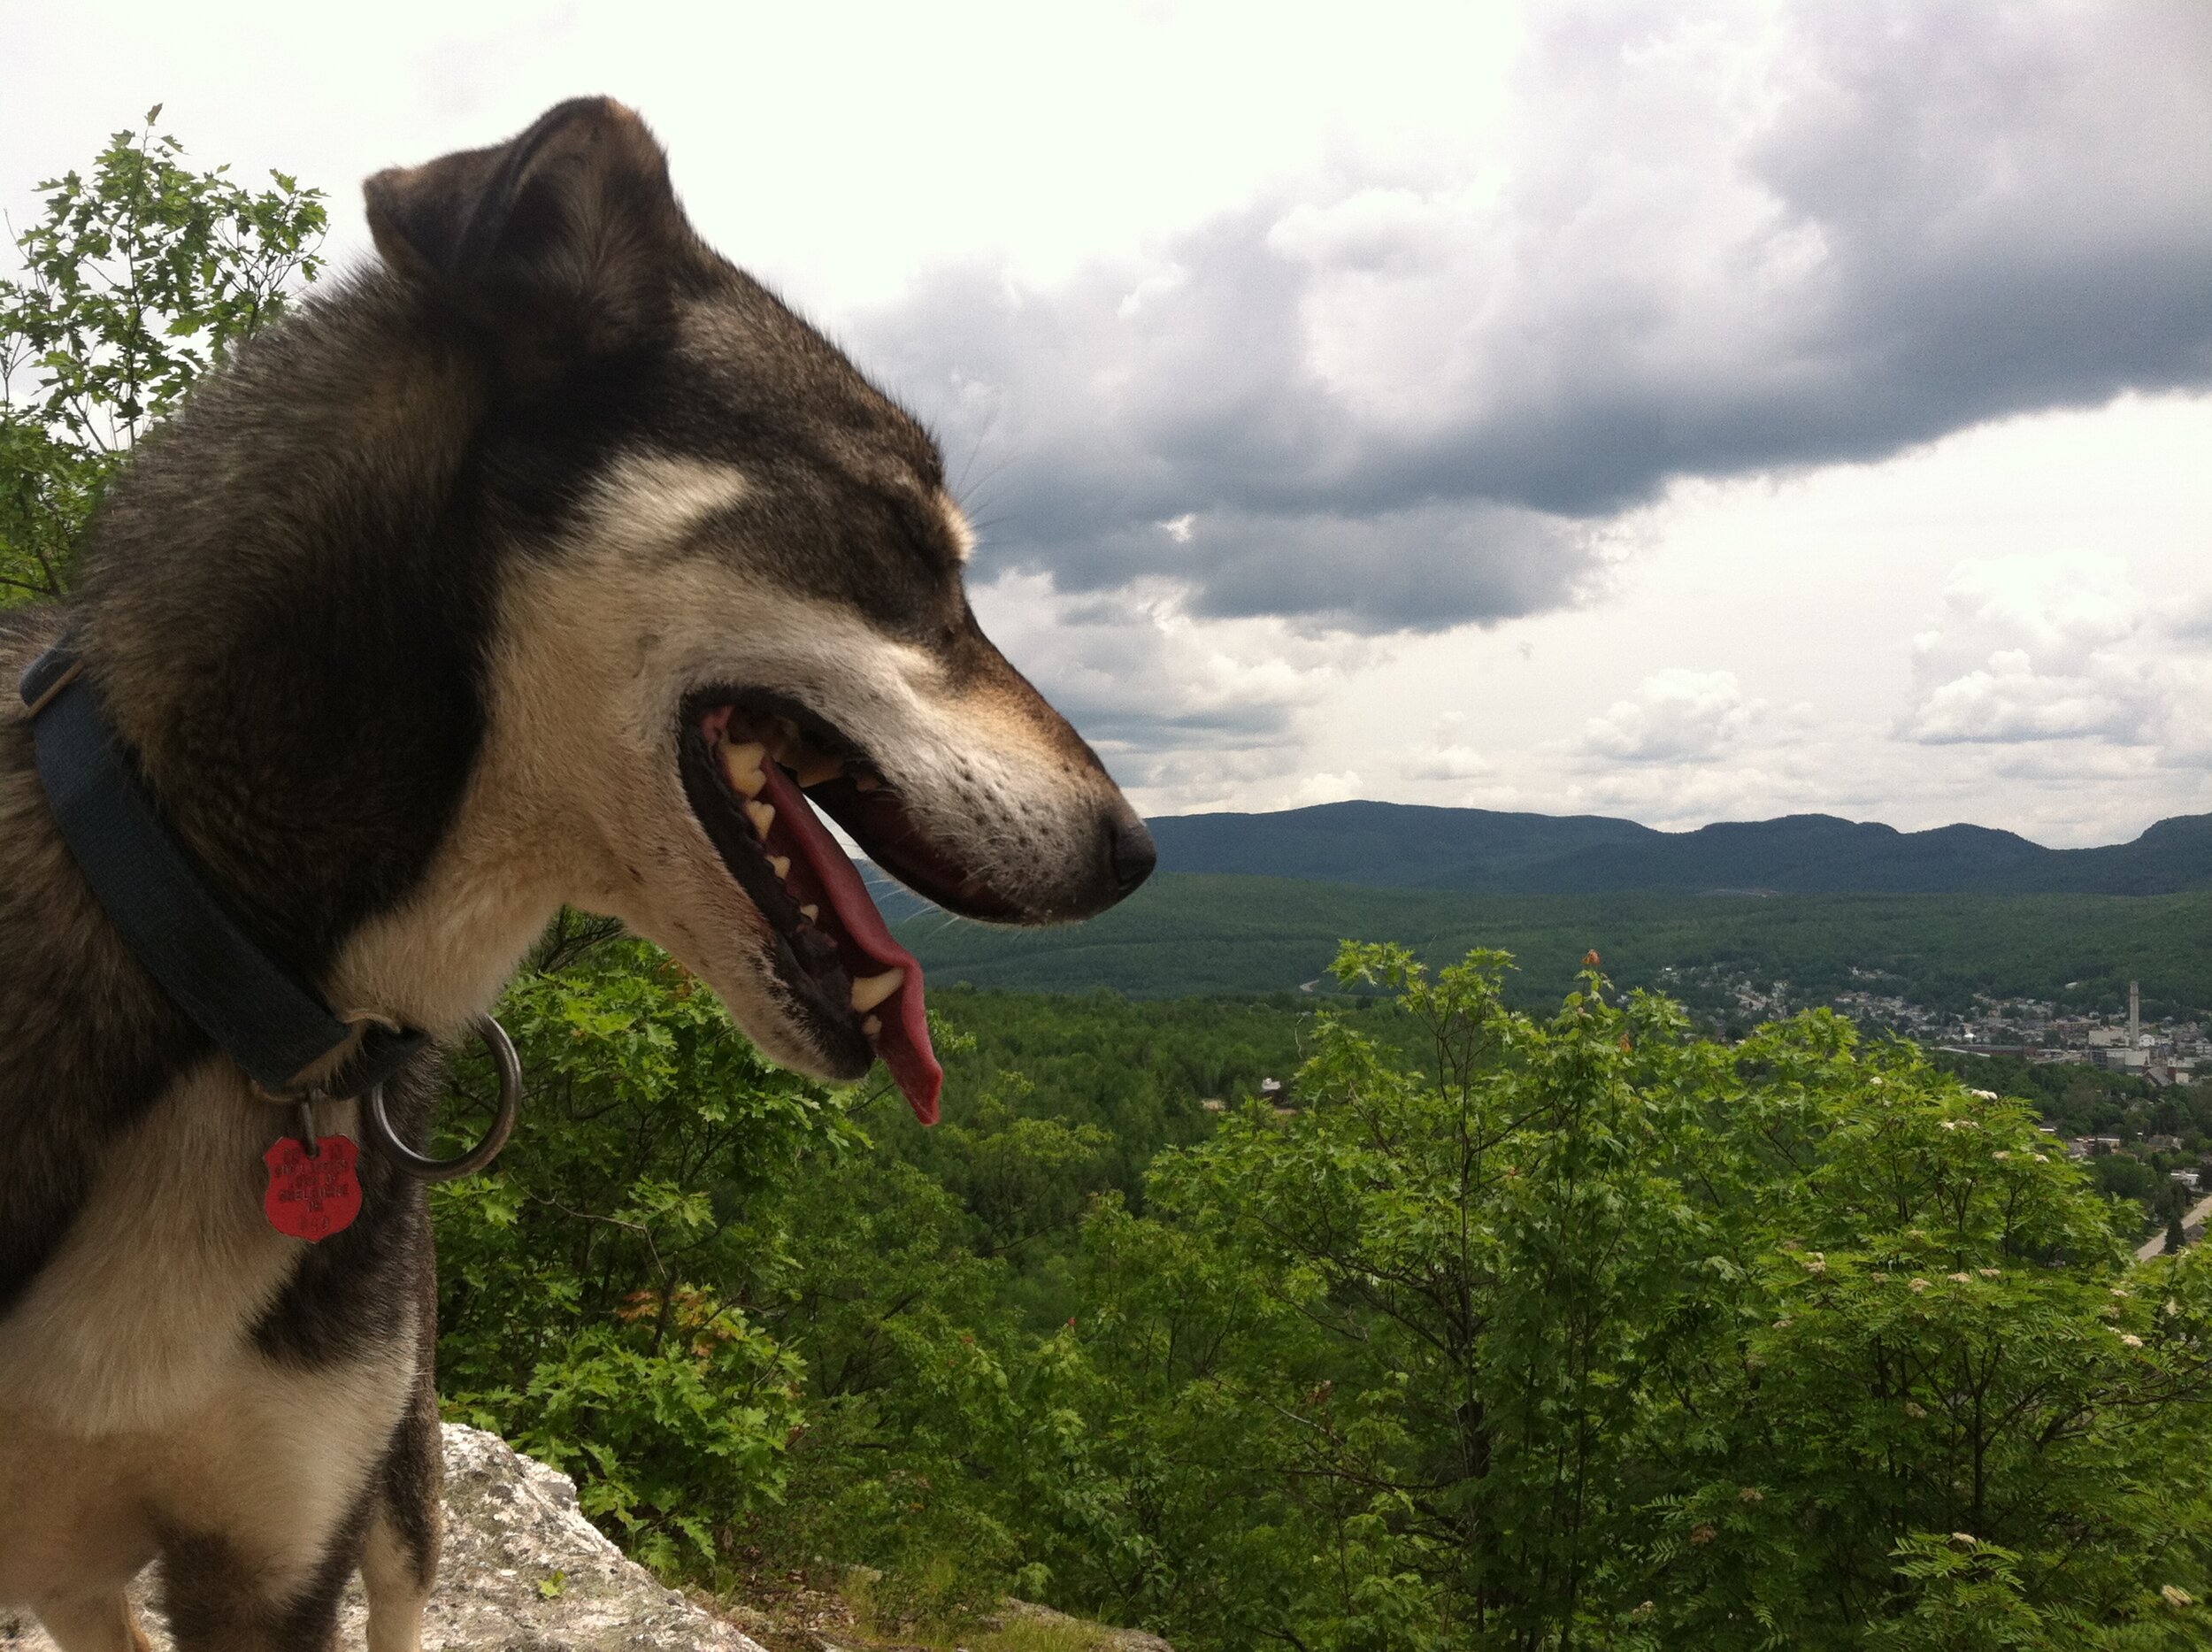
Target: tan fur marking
[
  {"x": 103, "y": 1495},
  {"x": 657, "y": 501},
  {"x": 158, "y": 1409},
  {"x": 280, "y": 1520},
  {"x": 396, "y": 1597},
  {"x": 956, "y": 519},
  {"x": 72, "y": 1526},
  {"x": 175, "y": 1248},
  {"x": 106, "y": 1625}
]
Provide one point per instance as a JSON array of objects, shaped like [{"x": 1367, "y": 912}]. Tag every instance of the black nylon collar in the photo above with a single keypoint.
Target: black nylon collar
[{"x": 269, "y": 1022}]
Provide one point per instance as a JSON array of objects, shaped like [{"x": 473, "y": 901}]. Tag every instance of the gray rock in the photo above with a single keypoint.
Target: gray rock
[
  {"x": 1104, "y": 1638},
  {"x": 524, "y": 1571}
]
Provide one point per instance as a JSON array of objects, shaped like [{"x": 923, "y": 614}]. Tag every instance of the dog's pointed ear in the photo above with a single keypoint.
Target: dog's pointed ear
[{"x": 567, "y": 244}]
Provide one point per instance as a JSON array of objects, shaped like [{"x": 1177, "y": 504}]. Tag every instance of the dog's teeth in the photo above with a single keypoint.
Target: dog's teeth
[
  {"x": 780, "y": 865},
  {"x": 741, "y": 764},
  {"x": 810, "y": 913},
  {"x": 762, "y": 815},
  {"x": 871, "y": 1026},
  {"x": 870, "y": 990},
  {"x": 865, "y": 781},
  {"x": 815, "y": 770}
]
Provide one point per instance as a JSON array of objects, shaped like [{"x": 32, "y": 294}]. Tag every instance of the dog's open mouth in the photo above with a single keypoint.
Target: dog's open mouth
[{"x": 750, "y": 759}]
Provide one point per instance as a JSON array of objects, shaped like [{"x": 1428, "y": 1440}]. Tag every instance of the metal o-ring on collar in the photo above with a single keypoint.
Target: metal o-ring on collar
[{"x": 377, "y": 1125}]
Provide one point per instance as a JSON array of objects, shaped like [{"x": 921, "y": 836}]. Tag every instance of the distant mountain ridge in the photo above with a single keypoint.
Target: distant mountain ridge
[{"x": 1413, "y": 846}]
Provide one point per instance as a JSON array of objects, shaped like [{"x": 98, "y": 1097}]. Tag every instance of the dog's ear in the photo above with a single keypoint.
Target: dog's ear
[{"x": 566, "y": 243}]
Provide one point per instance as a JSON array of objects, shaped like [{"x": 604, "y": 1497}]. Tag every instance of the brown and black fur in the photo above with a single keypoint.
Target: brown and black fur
[{"x": 345, "y": 613}]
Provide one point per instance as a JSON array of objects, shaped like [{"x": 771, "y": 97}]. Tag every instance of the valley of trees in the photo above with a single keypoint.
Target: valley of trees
[
  {"x": 1189, "y": 934},
  {"x": 1515, "y": 1330}
]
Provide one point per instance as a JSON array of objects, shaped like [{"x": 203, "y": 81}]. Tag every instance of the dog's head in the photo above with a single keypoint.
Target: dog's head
[{"x": 745, "y": 593}]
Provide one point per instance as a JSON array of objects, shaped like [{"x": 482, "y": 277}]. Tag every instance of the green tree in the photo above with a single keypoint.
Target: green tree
[
  {"x": 139, "y": 276},
  {"x": 596, "y": 1292},
  {"x": 1583, "y": 1332},
  {"x": 1440, "y": 1286},
  {"x": 1947, "y": 1412},
  {"x": 909, "y": 1346}
]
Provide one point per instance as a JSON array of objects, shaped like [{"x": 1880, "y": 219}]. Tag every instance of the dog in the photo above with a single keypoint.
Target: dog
[{"x": 550, "y": 561}]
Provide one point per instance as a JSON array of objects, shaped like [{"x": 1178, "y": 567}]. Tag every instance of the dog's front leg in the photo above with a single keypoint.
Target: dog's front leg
[
  {"x": 106, "y": 1623},
  {"x": 219, "y": 1596},
  {"x": 399, "y": 1563},
  {"x": 397, "y": 1585},
  {"x": 275, "y": 1494}
]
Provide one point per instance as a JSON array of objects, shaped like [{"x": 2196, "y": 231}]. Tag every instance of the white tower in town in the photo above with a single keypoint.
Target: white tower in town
[{"x": 2135, "y": 1014}]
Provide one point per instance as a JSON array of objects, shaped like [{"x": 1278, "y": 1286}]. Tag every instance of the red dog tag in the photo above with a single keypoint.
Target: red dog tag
[{"x": 312, "y": 1198}]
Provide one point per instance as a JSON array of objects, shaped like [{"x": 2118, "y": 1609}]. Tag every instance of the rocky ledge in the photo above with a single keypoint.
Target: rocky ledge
[{"x": 524, "y": 1571}]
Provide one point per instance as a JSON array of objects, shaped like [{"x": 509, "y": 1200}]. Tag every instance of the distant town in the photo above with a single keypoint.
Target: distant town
[
  {"x": 2137, "y": 1146},
  {"x": 2161, "y": 1052}
]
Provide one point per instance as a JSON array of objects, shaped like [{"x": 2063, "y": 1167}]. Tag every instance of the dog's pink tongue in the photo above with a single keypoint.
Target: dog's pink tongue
[{"x": 904, "y": 1043}]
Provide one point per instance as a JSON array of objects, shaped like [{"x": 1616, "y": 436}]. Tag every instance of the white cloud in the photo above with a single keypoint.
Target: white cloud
[
  {"x": 1676, "y": 715},
  {"x": 2035, "y": 647},
  {"x": 1189, "y": 713},
  {"x": 1326, "y": 789},
  {"x": 1450, "y": 762},
  {"x": 2009, "y": 700},
  {"x": 1674, "y": 799},
  {"x": 1811, "y": 590},
  {"x": 1446, "y": 756}
]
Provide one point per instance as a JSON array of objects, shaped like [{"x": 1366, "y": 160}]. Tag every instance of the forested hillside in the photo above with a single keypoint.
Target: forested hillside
[
  {"x": 1183, "y": 934},
  {"x": 1405, "y": 846}
]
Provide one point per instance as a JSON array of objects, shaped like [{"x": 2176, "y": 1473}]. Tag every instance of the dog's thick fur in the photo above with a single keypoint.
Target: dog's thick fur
[{"x": 398, "y": 620}]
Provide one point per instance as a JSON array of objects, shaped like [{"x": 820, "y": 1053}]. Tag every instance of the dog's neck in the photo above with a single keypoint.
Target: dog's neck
[{"x": 285, "y": 615}]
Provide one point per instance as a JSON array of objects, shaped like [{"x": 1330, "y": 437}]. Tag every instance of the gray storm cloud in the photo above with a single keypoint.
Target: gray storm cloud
[{"x": 1380, "y": 403}]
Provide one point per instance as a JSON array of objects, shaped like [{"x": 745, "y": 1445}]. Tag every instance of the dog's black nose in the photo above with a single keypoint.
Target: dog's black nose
[{"x": 1131, "y": 852}]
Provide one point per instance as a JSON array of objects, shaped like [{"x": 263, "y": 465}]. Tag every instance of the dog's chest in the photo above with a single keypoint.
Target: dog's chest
[
  {"x": 134, "y": 1395},
  {"x": 171, "y": 1260}
]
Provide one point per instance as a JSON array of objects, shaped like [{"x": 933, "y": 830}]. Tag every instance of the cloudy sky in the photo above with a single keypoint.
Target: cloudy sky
[{"x": 1687, "y": 411}]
